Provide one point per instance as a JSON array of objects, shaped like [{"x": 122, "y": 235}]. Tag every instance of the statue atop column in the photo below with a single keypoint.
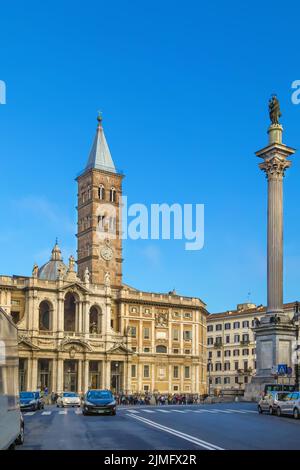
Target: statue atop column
[
  {"x": 86, "y": 276},
  {"x": 274, "y": 110},
  {"x": 71, "y": 264},
  {"x": 35, "y": 270}
]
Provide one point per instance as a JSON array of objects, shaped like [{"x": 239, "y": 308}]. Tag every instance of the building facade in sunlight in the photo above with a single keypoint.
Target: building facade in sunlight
[{"x": 84, "y": 328}]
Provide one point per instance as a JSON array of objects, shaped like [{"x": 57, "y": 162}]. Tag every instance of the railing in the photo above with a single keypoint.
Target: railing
[
  {"x": 218, "y": 344},
  {"x": 245, "y": 342}
]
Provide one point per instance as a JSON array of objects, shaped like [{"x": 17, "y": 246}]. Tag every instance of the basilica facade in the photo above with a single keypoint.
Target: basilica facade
[{"x": 83, "y": 327}]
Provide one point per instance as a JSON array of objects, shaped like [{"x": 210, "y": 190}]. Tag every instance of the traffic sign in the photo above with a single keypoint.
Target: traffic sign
[{"x": 282, "y": 369}]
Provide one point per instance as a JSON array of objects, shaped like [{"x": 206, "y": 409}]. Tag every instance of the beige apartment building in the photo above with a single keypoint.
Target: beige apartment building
[
  {"x": 231, "y": 348},
  {"x": 85, "y": 328}
]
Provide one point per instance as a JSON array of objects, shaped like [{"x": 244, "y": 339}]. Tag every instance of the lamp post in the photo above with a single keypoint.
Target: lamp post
[{"x": 209, "y": 367}]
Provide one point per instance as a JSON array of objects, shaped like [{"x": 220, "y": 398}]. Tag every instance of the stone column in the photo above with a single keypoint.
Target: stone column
[
  {"x": 60, "y": 375},
  {"x": 79, "y": 376},
  {"x": 34, "y": 374},
  {"x": 86, "y": 376},
  {"x": 274, "y": 332}
]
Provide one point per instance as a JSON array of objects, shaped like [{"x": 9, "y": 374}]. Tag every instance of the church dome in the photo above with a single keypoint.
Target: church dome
[{"x": 50, "y": 270}]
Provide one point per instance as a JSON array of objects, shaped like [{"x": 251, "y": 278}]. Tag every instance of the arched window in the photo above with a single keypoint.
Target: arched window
[
  {"x": 161, "y": 349},
  {"x": 95, "y": 320},
  {"x": 69, "y": 312},
  {"x": 101, "y": 192},
  {"x": 112, "y": 195},
  {"x": 45, "y": 315}
]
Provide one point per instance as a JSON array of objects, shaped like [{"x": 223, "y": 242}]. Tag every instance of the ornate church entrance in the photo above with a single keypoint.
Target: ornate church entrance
[
  {"x": 117, "y": 376},
  {"x": 70, "y": 376}
]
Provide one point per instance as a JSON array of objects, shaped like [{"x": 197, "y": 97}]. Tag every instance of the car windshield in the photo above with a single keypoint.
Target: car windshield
[
  {"x": 70, "y": 394},
  {"x": 282, "y": 396},
  {"x": 27, "y": 395},
  {"x": 100, "y": 395}
]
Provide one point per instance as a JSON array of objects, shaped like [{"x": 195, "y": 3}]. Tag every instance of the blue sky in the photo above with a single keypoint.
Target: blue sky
[{"x": 183, "y": 87}]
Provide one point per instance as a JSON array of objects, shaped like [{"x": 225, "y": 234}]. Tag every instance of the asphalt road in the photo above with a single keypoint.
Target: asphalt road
[{"x": 197, "y": 427}]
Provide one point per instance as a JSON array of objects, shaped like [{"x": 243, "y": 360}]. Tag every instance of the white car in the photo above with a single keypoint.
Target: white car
[
  {"x": 290, "y": 405},
  {"x": 68, "y": 399}
]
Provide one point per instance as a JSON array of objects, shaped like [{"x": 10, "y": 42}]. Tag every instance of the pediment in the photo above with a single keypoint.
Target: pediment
[
  {"x": 26, "y": 343},
  {"x": 119, "y": 349},
  {"x": 73, "y": 287},
  {"x": 76, "y": 344}
]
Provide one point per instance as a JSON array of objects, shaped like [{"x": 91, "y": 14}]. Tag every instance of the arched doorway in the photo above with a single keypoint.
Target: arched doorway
[
  {"x": 70, "y": 312},
  {"x": 95, "y": 320},
  {"x": 45, "y": 319}
]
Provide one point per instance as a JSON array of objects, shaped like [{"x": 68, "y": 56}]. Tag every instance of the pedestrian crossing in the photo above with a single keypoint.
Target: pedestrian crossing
[{"x": 141, "y": 411}]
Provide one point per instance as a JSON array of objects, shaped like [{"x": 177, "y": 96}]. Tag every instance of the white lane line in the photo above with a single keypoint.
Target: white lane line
[
  {"x": 239, "y": 411},
  {"x": 149, "y": 411},
  {"x": 46, "y": 413},
  {"x": 30, "y": 413},
  {"x": 164, "y": 411},
  {"x": 133, "y": 411},
  {"x": 222, "y": 411},
  {"x": 182, "y": 435},
  {"x": 178, "y": 411},
  {"x": 63, "y": 412}
]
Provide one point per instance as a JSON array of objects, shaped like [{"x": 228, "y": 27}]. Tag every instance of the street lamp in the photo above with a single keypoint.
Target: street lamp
[{"x": 209, "y": 367}]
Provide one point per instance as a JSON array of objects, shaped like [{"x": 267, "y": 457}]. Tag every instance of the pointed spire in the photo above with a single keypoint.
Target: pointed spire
[
  {"x": 100, "y": 157},
  {"x": 56, "y": 253}
]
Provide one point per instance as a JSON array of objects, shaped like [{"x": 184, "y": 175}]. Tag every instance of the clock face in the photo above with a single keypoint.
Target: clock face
[{"x": 106, "y": 253}]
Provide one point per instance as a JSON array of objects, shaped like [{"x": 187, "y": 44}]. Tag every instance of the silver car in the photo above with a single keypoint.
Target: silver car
[
  {"x": 68, "y": 399},
  {"x": 289, "y": 405},
  {"x": 270, "y": 401}
]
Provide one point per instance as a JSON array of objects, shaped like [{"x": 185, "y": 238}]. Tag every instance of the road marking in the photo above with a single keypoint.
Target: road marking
[
  {"x": 149, "y": 411},
  {"x": 239, "y": 411},
  {"x": 179, "y": 411},
  {"x": 63, "y": 412},
  {"x": 133, "y": 411},
  {"x": 78, "y": 411},
  {"x": 222, "y": 411},
  {"x": 164, "y": 411},
  {"x": 46, "y": 413},
  {"x": 30, "y": 413},
  {"x": 174, "y": 432}
]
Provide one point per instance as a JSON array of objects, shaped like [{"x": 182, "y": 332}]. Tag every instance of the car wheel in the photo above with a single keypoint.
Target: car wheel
[
  {"x": 260, "y": 409},
  {"x": 20, "y": 439},
  {"x": 278, "y": 411},
  {"x": 271, "y": 410},
  {"x": 296, "y": 413},
  {"x": 57, "y": 406}
]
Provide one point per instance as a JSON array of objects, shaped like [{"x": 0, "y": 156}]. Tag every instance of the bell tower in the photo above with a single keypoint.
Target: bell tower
[{"x": 99, "y": 243}]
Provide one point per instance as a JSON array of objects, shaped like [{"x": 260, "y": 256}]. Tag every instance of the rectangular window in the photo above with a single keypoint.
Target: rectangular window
[
  {"x": 218, "y": 353},
  {"x": 210, "y": 327},
  {"x": 176, "y": 335},
  {"x": 227, "y": 366},
  {"x": 210, "y": 341},
  {"x": 236, "y": 365},
  {"x": 146, "y": 333},
  {"x": 218, "y": 366},
  {"x": 246, "y": 324},
  {"x": 226, "y": 380},
  {"x": 187, "y": 315},
  {"x": 218, "y": 380},
  {"x": 236, "y": 380},
  {"x": 219, "y": 327},
  {"x": 175, "y": 351},
  {"x": 245, "y": 352},
  {"x": 236, "y": 325},
  {"x": 245, "y": 337},
  {"x": 227, "y": 339},
  {"x": 187, "y": 335},
  {"x": 210, "y": 354},
  {"x": 175, "y": 372},
  {"x": 146, "y": 371},
  {"x": 133, "y": 331},
  {"x": 246, "y": 379},
  {"x": 227, "y": 326},
  {"x": 146, "y": 350},
  {"x": 187, "y": 372},
  {"x": 236, "y": 352},
  {"x": 227, "y": 353},
  {"x": 133, "y": 371},
  {"x": 187, "y": 351},
  {"x": 236, "y": 338},
  {"x": 146, "y": 388}
]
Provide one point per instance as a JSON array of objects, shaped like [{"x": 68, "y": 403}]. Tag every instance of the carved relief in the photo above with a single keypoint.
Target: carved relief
[{"x": 161, "y": 319}]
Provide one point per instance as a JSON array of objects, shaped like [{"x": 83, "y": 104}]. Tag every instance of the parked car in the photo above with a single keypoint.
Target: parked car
[
  {"x": 99, "y": 402},
  {"x": 31, "y": 401},
  {"x": 11, "y": 419},
  {"x": 269, "y": 401},
  {"x": 68, "y": 399},
  {"x": 289, "y": 405}
]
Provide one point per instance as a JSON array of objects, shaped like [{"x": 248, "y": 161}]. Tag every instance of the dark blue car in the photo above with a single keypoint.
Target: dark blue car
[
  {"x": 31, "y": 401},
  {"x": 99, "y": 402}
]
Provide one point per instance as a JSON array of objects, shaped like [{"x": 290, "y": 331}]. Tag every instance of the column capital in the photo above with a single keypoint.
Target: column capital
[{"x": 275, "y": 167}]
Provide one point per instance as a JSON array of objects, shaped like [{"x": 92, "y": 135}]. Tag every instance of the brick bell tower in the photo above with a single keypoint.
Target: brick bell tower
[{"x": 99, "y": 244}]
